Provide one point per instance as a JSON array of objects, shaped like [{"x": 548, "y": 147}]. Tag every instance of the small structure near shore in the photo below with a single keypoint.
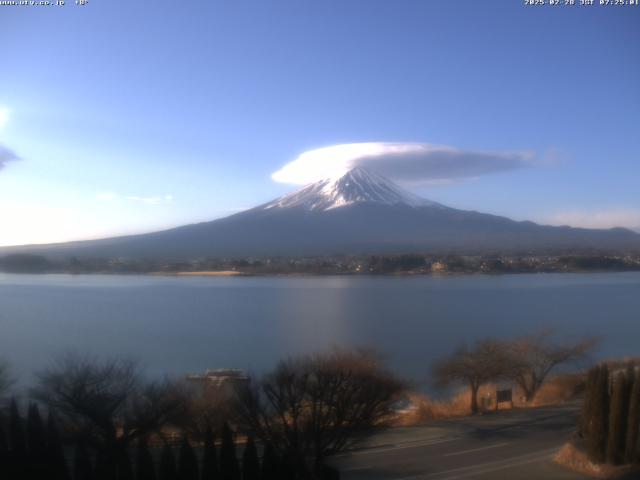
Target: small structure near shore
[{"x": 219, "y": 381}]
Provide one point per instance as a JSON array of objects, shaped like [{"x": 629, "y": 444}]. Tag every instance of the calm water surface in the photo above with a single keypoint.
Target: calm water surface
[{"x": 177, "y": 325}]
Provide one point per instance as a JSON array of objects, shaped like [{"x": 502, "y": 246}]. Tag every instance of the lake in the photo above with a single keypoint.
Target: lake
[{"x": 179, "y": 325}]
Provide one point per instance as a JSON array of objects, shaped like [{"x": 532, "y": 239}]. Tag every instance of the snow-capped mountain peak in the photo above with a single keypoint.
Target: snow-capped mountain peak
[{"x": 356, "y": 186}]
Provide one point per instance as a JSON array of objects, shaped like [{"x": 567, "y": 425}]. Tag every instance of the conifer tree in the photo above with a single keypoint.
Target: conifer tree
[
  {"x": 632, "y": 451},
  {"x": 631, "y": 376},
  {"x": 250, "y": 462},
  {"x": 168, "y": 470},
  {"x": 124, "y": 468},
  {"x": 145, "y": 469},
  {"x": 4, "y": 452},
  {"x": 270, "y": 463},
  {"x": 586, "y": 412},
  {"x": 82, "y": 467},
  {"x": 16, "y": 431},
  {"x": 597, "y": 440},
  {"x": 187, "y": 461},
  {"x": 37, "y": 444},
  {"x": 618, "y": 420},
  {"x": 210, "y": 469},
  {"x": 18, "y": 462},
  {"x": 56, "y": 461},
  {"x": 105, "y": 468},
  {"x": 287, "y": 467},
  {"x": 326, "y": 472},
  {"x": 229, "y": 468}
]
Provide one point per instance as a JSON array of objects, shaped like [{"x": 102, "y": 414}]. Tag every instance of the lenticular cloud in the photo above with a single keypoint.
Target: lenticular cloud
[{"x": 408, "y": 163}]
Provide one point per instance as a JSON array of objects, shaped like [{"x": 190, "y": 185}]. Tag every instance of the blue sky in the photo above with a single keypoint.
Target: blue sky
[{"x": 134, "y": 116}]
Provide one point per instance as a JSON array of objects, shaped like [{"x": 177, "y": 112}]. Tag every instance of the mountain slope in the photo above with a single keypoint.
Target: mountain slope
[{"x": 359, "y": 212}]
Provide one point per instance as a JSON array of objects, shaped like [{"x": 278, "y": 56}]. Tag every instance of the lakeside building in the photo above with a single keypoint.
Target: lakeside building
[{"x": 218, "y": 381}]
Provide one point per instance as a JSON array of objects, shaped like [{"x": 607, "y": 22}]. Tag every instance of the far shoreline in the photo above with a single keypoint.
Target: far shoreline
[
  {"x": 204, "y": 273},
  {"x": 232, "y": 273}
]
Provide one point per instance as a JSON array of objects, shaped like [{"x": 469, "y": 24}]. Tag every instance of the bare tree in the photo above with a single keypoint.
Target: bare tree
[
  {"x": 472, "y": 366},
  {"x": 531, "y": 359},
  {"x": 107, "y": 403},
  {"x": 315, "y": 406},
  {"x": 204, "y": 410}
]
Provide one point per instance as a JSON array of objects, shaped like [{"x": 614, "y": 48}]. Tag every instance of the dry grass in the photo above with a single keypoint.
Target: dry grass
[
  {"x": 575, "y": 459},
  {"x": 571, "y": 456},
  {"x": 557, "y": 390},
  {"x": 425, "y": 409}
]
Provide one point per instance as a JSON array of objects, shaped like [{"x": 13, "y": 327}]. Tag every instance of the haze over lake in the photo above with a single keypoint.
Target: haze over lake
[{"x": 179, "y": 325}]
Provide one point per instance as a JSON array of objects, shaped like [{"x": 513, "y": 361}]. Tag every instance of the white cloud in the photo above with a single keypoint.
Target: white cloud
[
  {"x": 6, "y": 155},
  {"x": 621, "y": 217},
  {"x": 409, "y": 163}
]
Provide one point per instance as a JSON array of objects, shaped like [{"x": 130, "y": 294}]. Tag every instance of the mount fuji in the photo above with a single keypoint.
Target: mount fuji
[
  {"x": 357, "y": 213},
  {"x": 356, "y": 186}
]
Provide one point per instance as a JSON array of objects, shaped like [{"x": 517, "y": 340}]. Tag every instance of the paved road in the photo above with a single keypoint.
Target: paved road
[{"x": 515, "y": 444}]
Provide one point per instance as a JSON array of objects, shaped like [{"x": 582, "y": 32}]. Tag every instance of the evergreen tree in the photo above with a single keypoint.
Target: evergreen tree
[
  {"x": 270, "y": 463},
  {"x": 209, "y": 457},
  {"x": 326, "y": 472},
  {"x": 4, "y": 452},
  {"x": 105, "y": 465},
  {"x": 632, "y": 451},
  {"x": 82, "y": 468},
  {"x": 618, "y": 420},
  {"x": 37, "y": 443},
  {"x": 287, "y": 467},
  {"x": 631, "y": 376},
  {"x": 586, "y": 412},
  {"x": 597, "y": 440},
  {"x": 56, "y": 461},
  {"x": 18, "y": 459},
  {"x": 168, "y": 470},
  {"x": 250, "y": 462},
  {"x": 145, "y": 469},
  {"x": 187, "y": 461},
  {"x": 124, "y": 468},
  {"x": 229, "y": 468}
]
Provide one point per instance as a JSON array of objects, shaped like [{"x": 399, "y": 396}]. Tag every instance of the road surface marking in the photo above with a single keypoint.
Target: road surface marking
[
  {"x": 476, "y": 449},
  {"x": 482, "y": 468},
  {"x": 401, "y": 446},
  {"x": 356, "y": 469}
]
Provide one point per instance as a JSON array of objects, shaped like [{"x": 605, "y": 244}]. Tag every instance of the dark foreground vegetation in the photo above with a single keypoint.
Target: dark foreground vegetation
[
  {"x": 607, "y": 440},
  {"x": 106, "y": 422},
  {"x": 610, "y": 420},
  {"x": 88, "y": 419},
  {"x": 334, "y": 265}
]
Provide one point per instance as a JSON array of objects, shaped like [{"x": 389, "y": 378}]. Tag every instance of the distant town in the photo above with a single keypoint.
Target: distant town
[{"x": 408, "y": 264}]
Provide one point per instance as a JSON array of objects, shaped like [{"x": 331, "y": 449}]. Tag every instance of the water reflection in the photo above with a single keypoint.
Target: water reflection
[{"x": 177, "y": 325}]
